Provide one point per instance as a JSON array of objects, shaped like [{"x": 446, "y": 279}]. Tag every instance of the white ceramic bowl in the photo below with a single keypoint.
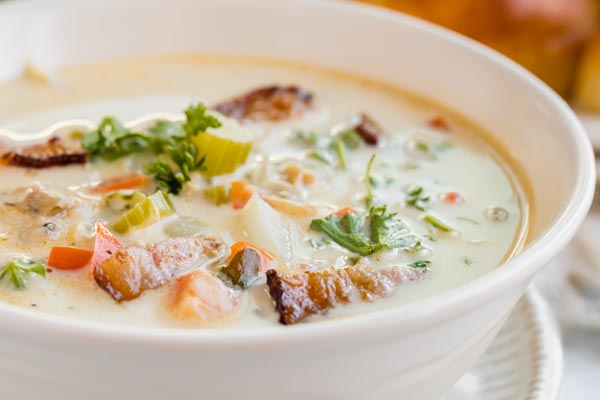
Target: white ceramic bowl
[{"x": 413, "y": 352}]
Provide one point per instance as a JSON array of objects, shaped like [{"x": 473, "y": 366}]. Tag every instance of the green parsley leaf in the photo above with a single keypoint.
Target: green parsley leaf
[
  {"x": 438, "y": 223},
  {"x": 197, "y": 120},
  {"x": 18, "y": 267},
  {"x": 368, "y": 182},
  {"x": 420, "y": 264},
  {"x": 385, "y": 230},
  {"x": 111, "y": 140},
  {"x": 416, "y": 199}
]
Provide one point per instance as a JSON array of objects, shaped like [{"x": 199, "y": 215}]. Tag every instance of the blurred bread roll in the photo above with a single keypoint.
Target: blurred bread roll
[
  {"x": 587, "y": 85},
  {"x": 545, "y": 36}
]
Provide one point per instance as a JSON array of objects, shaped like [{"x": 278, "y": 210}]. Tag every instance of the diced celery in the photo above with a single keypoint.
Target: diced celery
[
  {"x": 221, "y": 155},
  {"x": 147, "y": 212},
  {"x": 123, "y": 199},
  {"x": 218, "y": 194}
]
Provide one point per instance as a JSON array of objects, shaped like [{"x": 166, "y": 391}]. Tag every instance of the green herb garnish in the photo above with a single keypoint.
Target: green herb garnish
[
  {"x": 111, "y": 140},
  {"x": 416, "y": 199},
  {"x": 340, "y": 149},
  {"x": 438, "y": 223},
  {"x": 368, "y": 182},
  {"x": 469, "y": 220},
  {"x": 18, "y": 267},
  {"x": 468, "y": 260},
  {"x": 365, "y": 235},
  {"x": 420, "y": 264}
]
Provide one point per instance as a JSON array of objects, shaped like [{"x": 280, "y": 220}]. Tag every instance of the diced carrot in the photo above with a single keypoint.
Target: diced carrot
[
  {"x": 105, "y": 245},
  {"x": 453, "y": 198},
  {"x": 132, "y": 181},
  {"x": 344, "y": 211},
  {"x": 439, "y": 123},
  {"x": 69, "y": 258},
  {"x": 266, "y": 260},
  {"x": 240, "y": 194}
]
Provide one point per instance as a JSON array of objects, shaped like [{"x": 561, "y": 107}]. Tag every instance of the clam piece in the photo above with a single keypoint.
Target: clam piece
[
  {"x": 132, "y": 270},
  {"x": 300, "y": 295},
  {"x": 271, "y": 103}
]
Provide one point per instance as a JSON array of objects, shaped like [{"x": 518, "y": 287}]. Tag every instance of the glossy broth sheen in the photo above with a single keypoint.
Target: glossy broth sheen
[{"x": 456, "y": 161}]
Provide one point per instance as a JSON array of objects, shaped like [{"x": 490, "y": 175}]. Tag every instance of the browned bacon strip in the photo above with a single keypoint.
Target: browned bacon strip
[
  {"x": 368, "y": 129},
  {"x": 300, "y": 295},
  {"x": 54, "y": 152},
  {"x": 131, "y": 270},
  {"x": 272, "y": 103}
]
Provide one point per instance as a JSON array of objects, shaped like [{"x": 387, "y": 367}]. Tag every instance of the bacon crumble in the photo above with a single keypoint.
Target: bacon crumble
[
  {"x": 55, "y": 152},
  {"x": 271, "y": 103}
]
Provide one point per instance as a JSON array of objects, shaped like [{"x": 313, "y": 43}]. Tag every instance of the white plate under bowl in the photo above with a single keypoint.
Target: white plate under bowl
[{"x": 525, "y": 361}]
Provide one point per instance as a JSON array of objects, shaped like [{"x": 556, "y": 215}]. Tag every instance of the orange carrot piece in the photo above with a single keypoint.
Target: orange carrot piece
[
  {"x": 240, "y": 194},
  {"x": 453, "y": 198},
  {"x": 69, "y": 258},
  {"x": 132, "y": 181},
  {"x": 344, "y": 211},
  {"x": 105, "y": 245},
  {"x": 266, "y": 260}
]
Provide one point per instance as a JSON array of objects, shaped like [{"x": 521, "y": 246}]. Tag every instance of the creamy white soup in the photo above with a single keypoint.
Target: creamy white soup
[{"x": 227, "y": 192}]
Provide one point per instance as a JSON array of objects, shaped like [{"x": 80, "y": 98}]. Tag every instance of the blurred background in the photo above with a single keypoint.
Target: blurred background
[{"x": 559, "y": 41}]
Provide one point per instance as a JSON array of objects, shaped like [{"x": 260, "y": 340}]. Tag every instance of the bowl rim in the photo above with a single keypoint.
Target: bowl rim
[{"x": 406, "y": 317}]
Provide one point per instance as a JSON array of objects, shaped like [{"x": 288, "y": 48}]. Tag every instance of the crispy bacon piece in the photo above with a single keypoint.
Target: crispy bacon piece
[
  {"x": 299, "y": 295},
  {"x": 131, "y": 270},
  {"x": 368, "y": 129},
  {"x": 272, "y": 103},
  {"x": 54, "y": 152}
]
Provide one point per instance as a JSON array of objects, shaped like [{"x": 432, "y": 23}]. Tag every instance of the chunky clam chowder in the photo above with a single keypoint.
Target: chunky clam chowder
[{"x": 224, "y": 192}]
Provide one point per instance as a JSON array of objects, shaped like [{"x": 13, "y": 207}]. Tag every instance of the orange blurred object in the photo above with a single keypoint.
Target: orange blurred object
[{"x": 545, "y": 36}]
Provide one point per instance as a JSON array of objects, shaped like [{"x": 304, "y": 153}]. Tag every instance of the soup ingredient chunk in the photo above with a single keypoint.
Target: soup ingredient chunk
[
  {"x": 271, "y": 103},
  {"x": 36, "y": 215},
  {"x": 55, "y": 152},
  {"x": 69, "y": 258},
  {"x": 243, "y": 268},
  {"x": 203, "y": 298},
  {"x": 131, "y": 270},
  {"x": 368, "y": 129},
  {"x": 300, "y": 295}
]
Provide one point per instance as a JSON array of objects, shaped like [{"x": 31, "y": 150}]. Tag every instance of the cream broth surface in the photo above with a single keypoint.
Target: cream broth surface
[{"x": 411, "y": 154}]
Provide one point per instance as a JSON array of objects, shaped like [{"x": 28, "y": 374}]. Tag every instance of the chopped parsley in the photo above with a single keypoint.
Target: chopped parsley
[
  {"x": 468, "y": 260},
  {"x": 417, "y": 199},
  {"x": 325, "y": 148},
  {"x": 469, "y": 220},
  {"x": 369, "y": 183},
  {"x": 420, "y": 264},
  {"x": 438, "y": 223},
  {"x": 18, "y": 268},
  {"x": 366, "y": 234}
]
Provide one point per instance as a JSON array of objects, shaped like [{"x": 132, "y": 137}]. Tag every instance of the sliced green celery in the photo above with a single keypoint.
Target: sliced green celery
[
  {"x": 147, "y": 212},
  {"x": 218, "y": 194},
  {"x": 221, "y": 155}
]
